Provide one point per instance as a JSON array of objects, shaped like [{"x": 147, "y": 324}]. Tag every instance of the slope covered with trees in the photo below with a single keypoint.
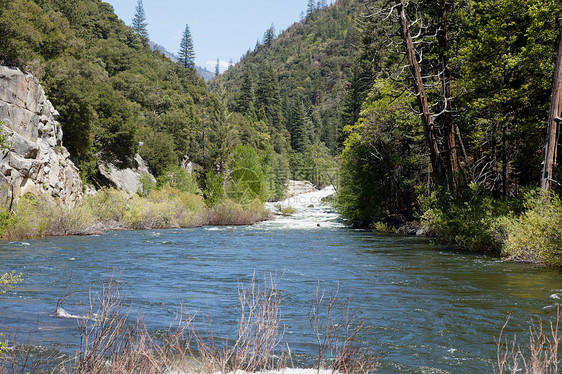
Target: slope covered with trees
[
  {"x": 295, "y": 83},
  {"x": 117, "y": 97}
]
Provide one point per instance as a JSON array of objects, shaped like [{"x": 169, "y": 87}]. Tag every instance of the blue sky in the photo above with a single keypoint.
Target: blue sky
[{"x": 223, "y": 29}]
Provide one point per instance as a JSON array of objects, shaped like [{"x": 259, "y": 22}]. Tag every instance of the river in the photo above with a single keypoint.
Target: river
[{"x": 427, "y": 308}]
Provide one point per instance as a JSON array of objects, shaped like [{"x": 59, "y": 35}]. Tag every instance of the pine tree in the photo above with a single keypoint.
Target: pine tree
[
  {"x": 298, "y": 127},
  {"x": 267, "y": 96},
  {"x": 245, "y": 98},
  {"x": 187, "y": 51},
  {"x": 269, "y": 35},
  {"x": 217, "y": 68},
  {"x": 139, "y": 22},
  {"x": 311, "y": 7}
]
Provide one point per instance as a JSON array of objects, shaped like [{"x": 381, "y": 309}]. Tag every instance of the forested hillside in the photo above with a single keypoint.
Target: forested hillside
[
  {"x": 297, "y": 82},
  {"x": 117, "y": 97}
]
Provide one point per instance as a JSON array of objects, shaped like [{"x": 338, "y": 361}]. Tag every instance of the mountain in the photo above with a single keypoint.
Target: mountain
[{"x": 203, "y": 73}]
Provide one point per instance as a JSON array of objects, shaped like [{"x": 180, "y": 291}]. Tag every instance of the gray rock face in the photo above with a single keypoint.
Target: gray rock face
[
  {"x": 36, "y": 160},
  {"x": 127, "y": 180}
]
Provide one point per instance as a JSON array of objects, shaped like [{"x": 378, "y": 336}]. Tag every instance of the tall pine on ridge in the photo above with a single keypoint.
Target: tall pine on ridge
[
  {"x": 187, "y": 50},
  {"x": 139, "y": 22}
]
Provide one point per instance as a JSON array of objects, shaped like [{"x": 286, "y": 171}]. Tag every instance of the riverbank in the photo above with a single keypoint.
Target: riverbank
[
  {"x": 525, "y": 230},
  {"x": 35, "y": 217}
]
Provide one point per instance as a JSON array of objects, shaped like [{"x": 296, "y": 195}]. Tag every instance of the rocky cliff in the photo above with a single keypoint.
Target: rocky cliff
[{"x": 35, "y": 160}]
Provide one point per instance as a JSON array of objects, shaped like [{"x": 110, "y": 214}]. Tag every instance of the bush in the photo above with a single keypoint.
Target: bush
[
  {"x": 469, "y": 224},
  {"x": 229, "y": 212},
  {"x": 535, "y": 236},
  {"x": 38, "y": 217},
  {"x": 179, "y": 178}
]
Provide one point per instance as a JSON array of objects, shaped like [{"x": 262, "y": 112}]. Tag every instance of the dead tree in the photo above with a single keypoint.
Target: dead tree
[
  {"x": 447, "y": 120},
  {"x": 419, "y": 88},
  {"x": 553, "y": 125}
]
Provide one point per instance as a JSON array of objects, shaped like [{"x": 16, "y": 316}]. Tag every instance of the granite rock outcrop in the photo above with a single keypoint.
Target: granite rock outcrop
[{"x": 35, "y": 159}]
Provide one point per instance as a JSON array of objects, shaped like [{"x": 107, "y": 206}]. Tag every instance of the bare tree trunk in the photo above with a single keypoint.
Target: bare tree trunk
[
  {"x": 449, "y": 128},
  {"x": 553, "y": 125},
  {"x": 427, "y": 120}
]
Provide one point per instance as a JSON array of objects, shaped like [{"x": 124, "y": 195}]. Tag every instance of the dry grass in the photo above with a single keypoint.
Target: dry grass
[
  {"x": 39, "y": 217},
  {"x": 228, "y": 212},
  {"x": 113, "y": 342},
  {"x": 539, "y": 357},
  {"x": 336, "y": 328}
]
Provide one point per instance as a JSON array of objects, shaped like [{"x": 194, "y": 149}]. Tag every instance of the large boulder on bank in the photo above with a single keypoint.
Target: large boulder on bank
[{"x": 36, "y": 160}]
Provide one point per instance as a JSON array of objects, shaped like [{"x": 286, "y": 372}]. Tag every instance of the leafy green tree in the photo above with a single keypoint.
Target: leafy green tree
[
  {"x": 508, "y": 49},
  {"x": 187, "y": 50},
  {"x": 247, "y": 181},
  {"x": 158, "y": 151},
  {"x": 310, "y": 7},
  {"x": 179, "y": 178},
  {"x": 139, "y": 22},
  {"x": 382, "y": 162}
]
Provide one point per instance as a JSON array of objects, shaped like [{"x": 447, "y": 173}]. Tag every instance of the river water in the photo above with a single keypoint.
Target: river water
[{"x": 427, "y": 308}]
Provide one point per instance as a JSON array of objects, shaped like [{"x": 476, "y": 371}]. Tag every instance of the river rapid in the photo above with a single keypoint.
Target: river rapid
[{"x": 427, "y": 308}]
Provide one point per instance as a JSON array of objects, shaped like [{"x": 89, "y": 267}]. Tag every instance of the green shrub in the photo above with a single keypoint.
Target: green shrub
[
  {"x": 108, "y": 204},
  {"x": 469, "y": 224},
  {"x": 535, "y": 236},
  {"x": 229, "y": 212},
  {"x": 179, "y": 178},
  {"x": 38, "y": 217}
]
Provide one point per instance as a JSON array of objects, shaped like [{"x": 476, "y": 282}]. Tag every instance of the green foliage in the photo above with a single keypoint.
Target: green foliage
[
  {"x": 139, "y": 22},
  {"x": 8, "y": 280},
  {"x": 383, "y": 161},
  {"x": 158, "y": 151},
  {"x": 39, "y": 217},
  {"x": 111, "y": 90},
  {"x": 187, "y": 50},
  {"x": 164, "y": 208},
  {"x": 247, "y": 180},
  {"x": 507, "y": 50},
  {"x": 213, "y": 190},
  {"x": 310, "y": 62},
  {"x": 534, "y": 236},
  {"x": 469, "y": 224},
  {"x": 178, "y": 178},
  {"x": 147, "y": 184},
  {"x": 229, "y": 212}
]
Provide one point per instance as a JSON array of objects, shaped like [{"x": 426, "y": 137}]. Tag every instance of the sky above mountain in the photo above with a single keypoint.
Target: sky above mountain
[{"x": 223, "y": 29}]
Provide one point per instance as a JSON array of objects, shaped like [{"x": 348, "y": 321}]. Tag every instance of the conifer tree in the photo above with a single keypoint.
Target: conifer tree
[
  {"x": 187, "y": 51},
  {"x": 269, "y": 35},
  {"x": 298, "y": 127},
  {"x": 217, "y": 68},
  {"x": 139, "y": 22},
  {"x": 245, "y": 99},
  {"x": 311, "y": 7},
  {"x": 268, "y": 100}
]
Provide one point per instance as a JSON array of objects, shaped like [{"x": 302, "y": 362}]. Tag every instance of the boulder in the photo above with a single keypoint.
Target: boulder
[{"x": 127, "y": 180}]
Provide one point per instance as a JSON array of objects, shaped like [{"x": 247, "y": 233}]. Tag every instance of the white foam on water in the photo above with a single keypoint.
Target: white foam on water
[
  {"x": 310, "y": 212},
  {"x": 61, "y": 313}
]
